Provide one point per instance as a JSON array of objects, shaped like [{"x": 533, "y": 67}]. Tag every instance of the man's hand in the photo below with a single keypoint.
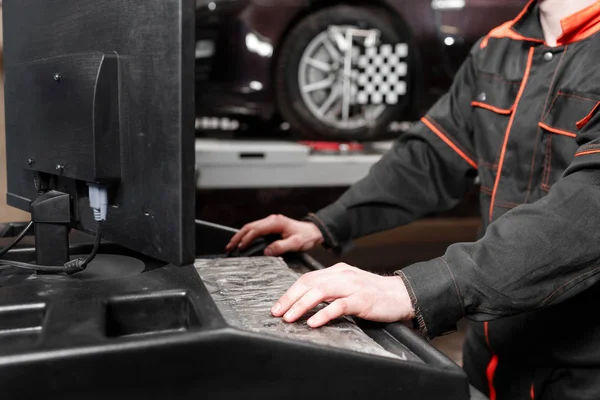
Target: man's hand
[
  {"x": 350, "y": 291},
  {"x": 297, "y": 235}
]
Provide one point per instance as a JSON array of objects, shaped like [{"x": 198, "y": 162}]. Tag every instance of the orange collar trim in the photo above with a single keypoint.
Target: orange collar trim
[
  {"x": 580, "y": 25},
  {"x": 505, "y": 30}
]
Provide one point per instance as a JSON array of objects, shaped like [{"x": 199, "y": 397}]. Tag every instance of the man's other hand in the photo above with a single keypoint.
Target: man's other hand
[
  {"x": 297, "y": 235},
  {"x": 350, "y": 291}
]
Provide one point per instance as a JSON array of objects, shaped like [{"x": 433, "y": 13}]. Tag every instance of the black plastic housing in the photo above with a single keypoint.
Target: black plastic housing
[
  {"x": 66, "y": 111},
  {"x": 158, "y": 334},
  {"x": 103, "y": 91}
]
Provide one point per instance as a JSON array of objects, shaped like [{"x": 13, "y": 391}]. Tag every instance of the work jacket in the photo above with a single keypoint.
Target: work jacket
[{"x": 523, "y": 117}]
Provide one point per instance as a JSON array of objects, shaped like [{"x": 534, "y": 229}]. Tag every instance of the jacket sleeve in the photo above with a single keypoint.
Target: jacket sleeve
[
  {"x": 533, "y": 256},
  {"x": 429, "y": 169}
]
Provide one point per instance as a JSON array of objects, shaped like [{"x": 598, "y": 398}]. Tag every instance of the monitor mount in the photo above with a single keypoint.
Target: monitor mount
[{"x": 51, "y": 215}]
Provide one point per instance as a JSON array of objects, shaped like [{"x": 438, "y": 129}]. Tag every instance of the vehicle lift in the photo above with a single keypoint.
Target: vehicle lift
[{"x": 261, "y": 164}]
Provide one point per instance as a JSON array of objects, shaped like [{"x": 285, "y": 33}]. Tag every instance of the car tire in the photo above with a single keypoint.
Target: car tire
[{"x": 296, "y": 110}]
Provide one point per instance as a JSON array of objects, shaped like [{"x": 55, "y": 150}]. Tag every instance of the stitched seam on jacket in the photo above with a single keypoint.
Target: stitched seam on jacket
[
  {"x": 589, "y": 146},
  {"x": 487, "y": 164},
  {"x": 548, "y": 166},
  {"x": 546, "y": 156},
  {"x": 490, "y": 310},
  {"x": 320, "y": 222},
  {"x": 567, "y": 283},
  {"x": 485, "y": 190},
  {"x": 413, "y": 298},
  {"x": 558, "y": 94},
  {"x": 460, "y": 297},
  {"x": 539, "y": 130},
  {"x": 545, "y": 113},
  {"x": 508, "y": 204}
]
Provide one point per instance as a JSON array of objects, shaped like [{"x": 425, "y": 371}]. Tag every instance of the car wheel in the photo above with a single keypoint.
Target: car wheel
[{"x": 326, "y": 89}]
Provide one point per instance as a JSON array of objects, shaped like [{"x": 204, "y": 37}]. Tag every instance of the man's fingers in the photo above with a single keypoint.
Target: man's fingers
[
  {"x": 312, "y": 298},
  {"x": 279, "y": 247},
  {"x": 240, "y": 236},
  {"x": 297, "y": 290},
  {"x": 235, "y": 239},
  {"x": 262, "y": 227},
  {"x": 267, "y": 226},
  {"x": 339, "y": 307},
  {"x": 285, "y": 302}
]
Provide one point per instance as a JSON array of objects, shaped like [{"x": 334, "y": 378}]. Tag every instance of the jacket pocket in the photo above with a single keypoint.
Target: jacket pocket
[
  {"x": 492, "y": 104},
  {"x": 567, "y": 115},
  {"x": 496, "y": 94}
]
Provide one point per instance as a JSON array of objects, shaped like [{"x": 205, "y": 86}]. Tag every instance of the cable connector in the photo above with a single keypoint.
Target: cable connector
[
  {"x": 98, "y": 201},
  {"x": 74, "y": 266}
]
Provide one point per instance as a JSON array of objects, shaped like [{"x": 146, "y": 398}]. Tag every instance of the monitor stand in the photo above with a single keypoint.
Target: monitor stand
[{"x": 51, "y": 215}]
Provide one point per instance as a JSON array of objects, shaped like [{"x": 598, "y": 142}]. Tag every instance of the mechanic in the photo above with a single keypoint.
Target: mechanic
[{"x": 522, "y": 114}]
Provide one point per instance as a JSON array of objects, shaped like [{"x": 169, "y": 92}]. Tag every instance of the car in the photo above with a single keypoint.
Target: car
[{"x": 333, "y": 70}]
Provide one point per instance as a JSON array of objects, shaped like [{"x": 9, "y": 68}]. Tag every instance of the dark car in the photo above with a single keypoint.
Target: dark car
[{"x": 341, "y": 70}]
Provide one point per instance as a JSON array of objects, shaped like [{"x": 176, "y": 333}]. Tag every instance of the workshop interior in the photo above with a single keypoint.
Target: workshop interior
[{"x": 141, "y": 135}]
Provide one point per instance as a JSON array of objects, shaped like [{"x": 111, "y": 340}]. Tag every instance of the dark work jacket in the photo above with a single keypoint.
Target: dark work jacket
[{"x": 524, "y": 118}]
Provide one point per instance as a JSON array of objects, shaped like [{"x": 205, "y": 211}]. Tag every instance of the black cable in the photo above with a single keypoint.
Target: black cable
[
  {"x": 16, "y": 240},
  {"x": 33, "y": 267},
  {"x": 70, "y": 267},
  {"x": 94, "y": 252}
]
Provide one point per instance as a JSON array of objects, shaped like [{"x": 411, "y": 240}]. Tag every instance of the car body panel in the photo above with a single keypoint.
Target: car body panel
[{"x": 237, "y": 80}]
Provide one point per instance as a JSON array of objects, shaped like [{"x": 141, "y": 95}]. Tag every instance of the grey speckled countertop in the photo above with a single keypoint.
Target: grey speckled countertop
[{"x": 245, "y": 289}]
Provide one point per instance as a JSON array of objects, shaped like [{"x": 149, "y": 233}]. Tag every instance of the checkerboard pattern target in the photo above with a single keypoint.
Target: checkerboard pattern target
[{"x": 381, "y": 72}]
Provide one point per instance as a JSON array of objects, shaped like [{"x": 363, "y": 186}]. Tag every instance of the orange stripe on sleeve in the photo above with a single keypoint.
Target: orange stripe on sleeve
[
  {"x": 508, "y": 128},
  {"x": 557, "y": 131},
  {"x": 586, "y": 152},
  {"x": 446, "y": 140}
]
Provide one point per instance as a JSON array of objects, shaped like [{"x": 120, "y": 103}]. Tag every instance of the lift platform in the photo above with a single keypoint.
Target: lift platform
[{"x": 254, "y": 164}]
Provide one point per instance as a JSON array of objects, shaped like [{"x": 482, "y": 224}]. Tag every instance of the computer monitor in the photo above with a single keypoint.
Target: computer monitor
[{"x": 102, "y": 93}]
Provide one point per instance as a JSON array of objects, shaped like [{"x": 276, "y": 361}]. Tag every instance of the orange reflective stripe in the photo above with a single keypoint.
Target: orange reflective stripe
[
  {"x": 489, "y": 372},
  {"x": 491, "y": 108},
  {"x": 532, "y": 392},
  {"x": 446, "y": 140},
  {"x": 492, "y": 365},
  {"x": 555, "y": 130},
  {"x": 583, "y": 153},
  {"x": 507, "y": 134},
  {"x": 581, "y": 123}
]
